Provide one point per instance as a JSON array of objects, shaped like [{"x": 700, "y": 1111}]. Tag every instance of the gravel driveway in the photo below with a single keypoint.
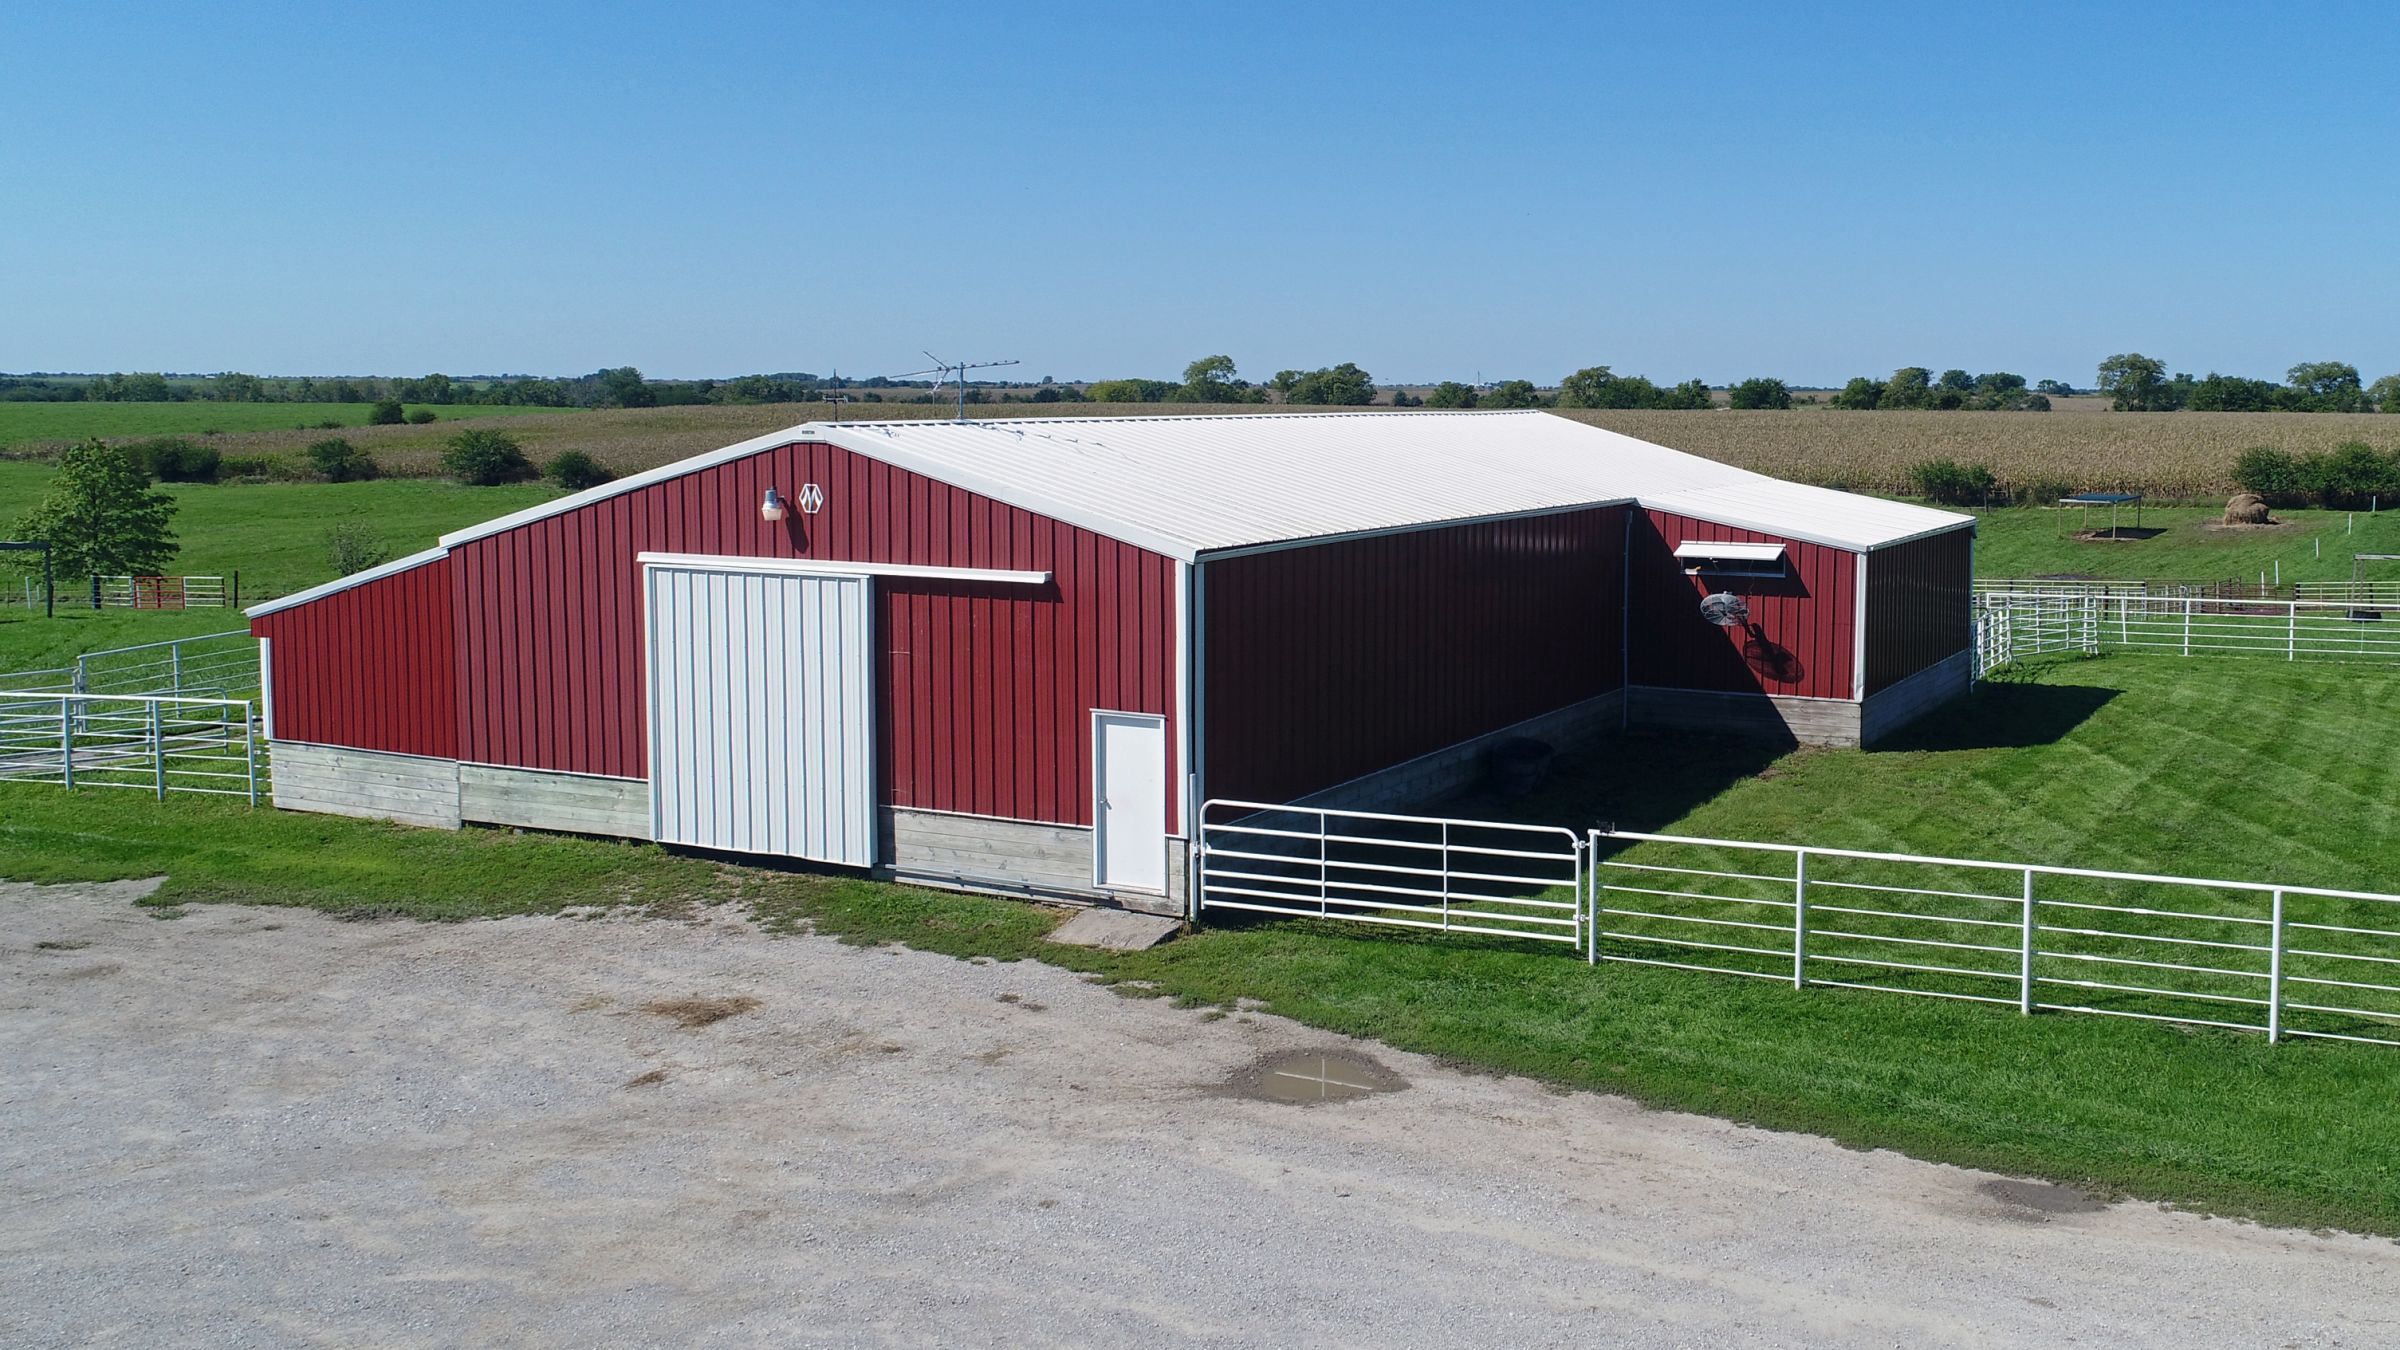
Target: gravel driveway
[{"x": 267, "y": 1127}]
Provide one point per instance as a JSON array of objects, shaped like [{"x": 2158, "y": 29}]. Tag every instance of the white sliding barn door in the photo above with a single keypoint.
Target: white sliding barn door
[{"x": 762, "y": 715}]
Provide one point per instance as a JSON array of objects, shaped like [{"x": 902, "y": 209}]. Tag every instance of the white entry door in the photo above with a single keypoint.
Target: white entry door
[
  {"x": 1129, "y": 776},
  {"x": 762, "y": 715}
]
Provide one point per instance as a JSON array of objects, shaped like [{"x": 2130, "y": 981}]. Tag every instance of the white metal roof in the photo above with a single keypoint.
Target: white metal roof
[{"x": 1184, "y": 486}]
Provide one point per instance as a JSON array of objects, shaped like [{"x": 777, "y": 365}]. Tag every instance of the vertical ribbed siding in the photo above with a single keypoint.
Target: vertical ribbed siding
[
  {"x": 369, "y": 667},
  {"x": 1330, "y": 661},
  {"x": 1809, "y": 613},
  {"x": 761, "y": 733},
  {"x": 985, "y": 690},
  {"x": 1920, "y": 599}
]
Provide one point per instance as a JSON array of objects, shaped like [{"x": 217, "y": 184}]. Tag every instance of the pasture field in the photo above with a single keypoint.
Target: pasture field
[
  {"x": 41, "y": 425},
  {"x": 274, "y": 533},
  {"x": 2019, "y": 542},
  {"x": 2236, "y": 768},
  {"x": 2182, "y": 455}
]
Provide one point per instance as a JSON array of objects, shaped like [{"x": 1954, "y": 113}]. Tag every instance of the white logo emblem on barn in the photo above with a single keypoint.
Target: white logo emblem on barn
[{"x": 812, "y": 499}]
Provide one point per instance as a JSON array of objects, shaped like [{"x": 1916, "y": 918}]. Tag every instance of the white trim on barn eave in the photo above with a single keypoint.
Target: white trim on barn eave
[
  {"x": 376, "y": 573},
  {"x": 823, "y": 567}
]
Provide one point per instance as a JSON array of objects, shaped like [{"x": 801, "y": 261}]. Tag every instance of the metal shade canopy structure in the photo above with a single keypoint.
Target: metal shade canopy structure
[{"x": 2114, "y": 501}]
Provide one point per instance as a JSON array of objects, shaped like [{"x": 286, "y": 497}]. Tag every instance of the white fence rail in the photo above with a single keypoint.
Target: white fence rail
[
  {"x": 215, "y": 664},
  {"x": 2246, "y": 956},
  {"x": 2281, "y": 961},
  {"x": 1450, "y": 876},
  {"x": 2383, "y": 592},
  {"x": 133, "y": 592},
  {"x": 152, "y": 743},
  {"x": 2286, "y": 630}
]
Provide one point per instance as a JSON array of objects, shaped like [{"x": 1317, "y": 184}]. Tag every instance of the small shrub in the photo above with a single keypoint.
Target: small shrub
[
  {"x": 575, "y": 471},
  {"x": 176, "y": 460},
  {"x": 420, "y": 417},
  {"x": 483, "y": 458},
  {"x": 338, "y": 461},
  {"x": 352, "y": 547},
  {"x": 1951, "y": 483},
  {"x": 2272, "y": 474},
  {"x": 330, "y": 424},
  {"x": 385, "y": 414},
  {"x": 252, "y": 469},
  {"x": 2353, "y": 475}
]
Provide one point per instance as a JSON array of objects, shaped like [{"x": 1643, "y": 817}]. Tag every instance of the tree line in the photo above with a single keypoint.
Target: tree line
[{"x": 2138, "y": 383}]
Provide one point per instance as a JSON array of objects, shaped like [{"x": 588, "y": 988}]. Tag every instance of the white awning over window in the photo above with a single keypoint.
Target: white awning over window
[{"x": 1760, "y": 553}]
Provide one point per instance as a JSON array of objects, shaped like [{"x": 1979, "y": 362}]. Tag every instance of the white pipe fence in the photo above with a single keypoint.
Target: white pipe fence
[
  {"x": 2012, "y": 624},
  {"x": 2284, "y": 961},
  {"x": 134, "y": 592},
  {"x": 2281, "y": 961},
  {"x": 158, "y": 744},
  {"x": 1448, "y": 875},
  {"x": 214, "y": 664}
]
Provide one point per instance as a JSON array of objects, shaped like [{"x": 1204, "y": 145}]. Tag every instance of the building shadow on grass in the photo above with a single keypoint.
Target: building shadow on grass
[{"x": 2003, "y": 716}]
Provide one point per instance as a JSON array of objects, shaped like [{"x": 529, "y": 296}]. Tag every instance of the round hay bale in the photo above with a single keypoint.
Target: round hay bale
[{"x": 2247, "y": 508}]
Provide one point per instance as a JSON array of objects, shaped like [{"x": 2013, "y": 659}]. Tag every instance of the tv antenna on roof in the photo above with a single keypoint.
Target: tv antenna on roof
[{"x": 945, "y": 370}]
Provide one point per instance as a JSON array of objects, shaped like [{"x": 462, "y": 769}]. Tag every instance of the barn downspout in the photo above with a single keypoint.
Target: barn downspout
[{"x": 1191, "y": 695}]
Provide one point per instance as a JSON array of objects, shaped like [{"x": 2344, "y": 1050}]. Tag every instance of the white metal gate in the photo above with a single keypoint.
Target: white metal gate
[
  {"x": 1452, "y": 876},
  {"x": 761, "y": 712}
]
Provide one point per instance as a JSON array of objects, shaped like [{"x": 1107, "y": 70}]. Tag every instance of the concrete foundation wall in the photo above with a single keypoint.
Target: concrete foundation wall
[
  {"x": 1453, "y": 769},
  {"x": 574, "y": 803},
  {"x": 1916, "y": 696},
  {"x": 411, "y": 789},
  {"x": 1804, "y": 721},
  {"x": 1010, "y": 857}
]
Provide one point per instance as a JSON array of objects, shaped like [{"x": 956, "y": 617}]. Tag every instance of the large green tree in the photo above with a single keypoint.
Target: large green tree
[
  {"x": 2326, "y": 386},
  {"x": 1763, "y": 392},
  {"x": 102, "y": 516},
  {"x": 2386, "y": 393},
  {"x": 1342, "y": 385},
  {"x": 2136, "y": 382}
]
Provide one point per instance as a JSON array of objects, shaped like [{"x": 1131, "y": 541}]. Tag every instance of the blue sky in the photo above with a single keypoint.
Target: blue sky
[{"x": 1434, "y": 192}]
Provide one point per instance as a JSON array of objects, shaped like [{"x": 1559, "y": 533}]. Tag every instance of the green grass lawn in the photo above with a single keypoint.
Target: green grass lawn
[
  {"x": 33, "y": 423},
  {"x": 274, "y": 533},
  {"x": 2310, "y": 545},
  {"x": 2227, "y": 767}
]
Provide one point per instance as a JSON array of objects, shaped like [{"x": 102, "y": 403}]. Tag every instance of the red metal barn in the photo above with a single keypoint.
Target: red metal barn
[{"x": 1016, "y": 655}]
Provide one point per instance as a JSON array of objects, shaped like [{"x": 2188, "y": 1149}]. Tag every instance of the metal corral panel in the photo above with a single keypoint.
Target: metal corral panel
[
  {"x": 1336, "y": 660},
  {"x": 761, "y": 714},
  {"x": 1182, "y": 486},
  {"x": 1920, "y": 606},
  {"x": 369, "y": 666},
  {"x": 985, "y": 690},
  {"x": 1802, "y": 640}
]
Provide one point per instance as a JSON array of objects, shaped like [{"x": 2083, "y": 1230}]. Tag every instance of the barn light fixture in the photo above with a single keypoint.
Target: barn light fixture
[{"x": 771, "y": 506}]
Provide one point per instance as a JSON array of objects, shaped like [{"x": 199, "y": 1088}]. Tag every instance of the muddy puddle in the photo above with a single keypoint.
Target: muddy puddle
[
  {"x": 2042, "y": 1197},
  {"x": 1311, "y": 1077}
]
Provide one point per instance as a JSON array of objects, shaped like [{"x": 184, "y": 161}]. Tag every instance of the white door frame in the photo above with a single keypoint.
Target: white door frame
[{"x": 1100, "y": 810}]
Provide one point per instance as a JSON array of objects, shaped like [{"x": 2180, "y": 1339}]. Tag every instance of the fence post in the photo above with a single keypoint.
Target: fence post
[
  {"x": 2275, "y": 974},
  {"x": 158, "y": 749},
  {"x": 2025, "y": 953},
  {"x": 66, "y": 742},
  {"x": 2292, "y": 648},
  {"x": 175, "y": 666},
  {"x": 82, "y": 681},
  {"x": 2187, "y": 625},
  {"x": 250, "y": 747},
  {"x": 1323, "y": 907},
  {"x": 1800, "y": 919},
  {"x": 1445, "y": 876}
]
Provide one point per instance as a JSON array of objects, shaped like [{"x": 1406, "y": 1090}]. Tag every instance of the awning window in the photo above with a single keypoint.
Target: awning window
[{"x": 1709, "y": 557}]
